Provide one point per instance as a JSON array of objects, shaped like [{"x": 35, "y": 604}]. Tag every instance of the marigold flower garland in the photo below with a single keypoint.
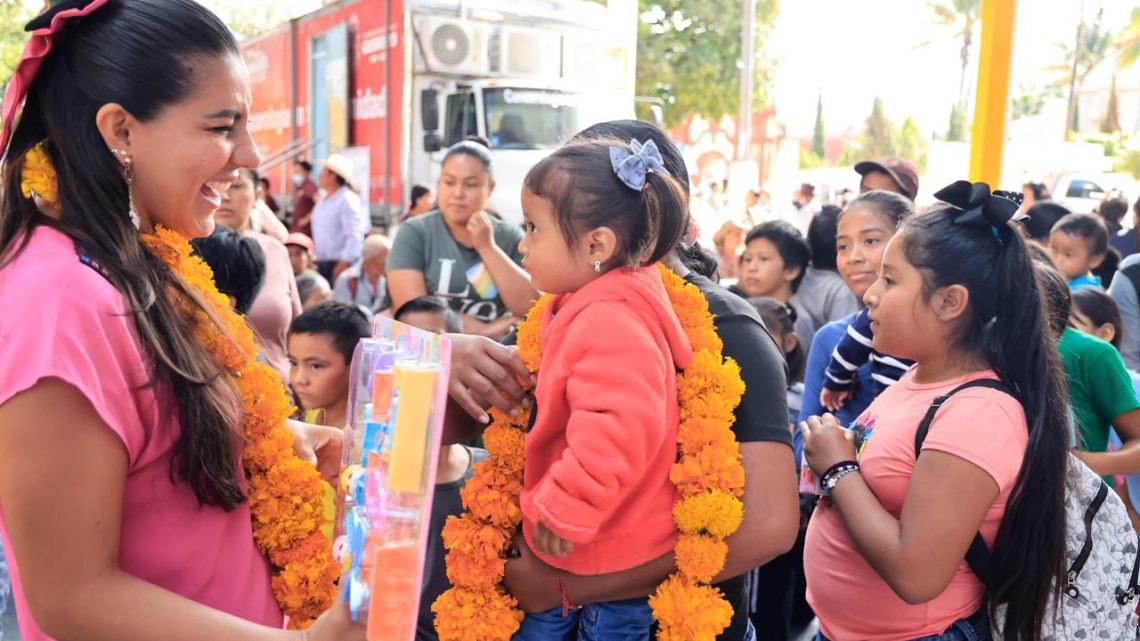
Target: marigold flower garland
[
  {"x": 37, "y": 180},
  {"x": 284, "y": 491},
  {"x": 708, "y": 474}
]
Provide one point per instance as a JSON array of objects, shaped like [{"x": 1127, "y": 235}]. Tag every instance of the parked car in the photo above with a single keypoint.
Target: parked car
[{"x": 1081, "y": 193}]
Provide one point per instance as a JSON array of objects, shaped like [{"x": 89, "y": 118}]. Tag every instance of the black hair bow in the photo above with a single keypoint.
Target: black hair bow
[{"x": 979, "y": 206}]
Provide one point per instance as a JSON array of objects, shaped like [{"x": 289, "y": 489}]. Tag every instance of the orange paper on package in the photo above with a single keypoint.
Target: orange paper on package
[{"x": 409, "y": 438}]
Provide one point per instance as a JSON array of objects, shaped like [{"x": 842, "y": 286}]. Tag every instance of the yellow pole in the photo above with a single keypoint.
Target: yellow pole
[{"x": 988, "y": 133}]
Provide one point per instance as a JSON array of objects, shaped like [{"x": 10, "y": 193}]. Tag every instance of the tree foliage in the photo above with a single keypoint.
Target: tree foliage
[
  {"x": 956, "y": 132},
  {"x": 14, "y": 14},
  {"x": 818, "y": 138},
  {"x": 880, "y": 136},
  {"x": 688, "y": 54},
  {"x": 249, "y": 18}
]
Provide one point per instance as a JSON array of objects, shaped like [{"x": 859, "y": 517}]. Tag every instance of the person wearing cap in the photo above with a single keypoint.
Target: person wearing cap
[
  {"x": 339, "y": 220},
  {"x": 888, "y": 174},
  {"x": 301, "y": 253}
]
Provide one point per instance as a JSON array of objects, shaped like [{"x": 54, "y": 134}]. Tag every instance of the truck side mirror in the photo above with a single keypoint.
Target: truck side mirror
[
  {"x": 429, "y": 109},
  {"x": 432, "y": 142}
]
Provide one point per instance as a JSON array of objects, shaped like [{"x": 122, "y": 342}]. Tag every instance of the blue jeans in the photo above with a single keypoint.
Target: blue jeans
[
  {"x": 975, "y": 627},
  {"x": 614, "y": 621},
  {"x": 5, "y": 587}
]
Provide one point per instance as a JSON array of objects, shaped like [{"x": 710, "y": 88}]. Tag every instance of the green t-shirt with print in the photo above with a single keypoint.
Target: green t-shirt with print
[
  {"x": 452, "y": 271},
  {"x": 1100, "y": 387}
]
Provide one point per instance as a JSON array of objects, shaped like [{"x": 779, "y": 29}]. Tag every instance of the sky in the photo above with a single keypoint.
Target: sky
[{"x": 854, "y": 50}]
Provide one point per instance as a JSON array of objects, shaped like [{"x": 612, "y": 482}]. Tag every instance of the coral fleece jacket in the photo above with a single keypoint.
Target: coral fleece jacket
[{"x": 605, "y": 435}]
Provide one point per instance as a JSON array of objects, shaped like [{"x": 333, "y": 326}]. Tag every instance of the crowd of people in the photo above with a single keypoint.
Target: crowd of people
[{"x": 903, "y": 389}]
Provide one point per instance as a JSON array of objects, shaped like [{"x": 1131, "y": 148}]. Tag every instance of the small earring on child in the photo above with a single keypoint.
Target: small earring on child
[{"x": 598, "y": 266}]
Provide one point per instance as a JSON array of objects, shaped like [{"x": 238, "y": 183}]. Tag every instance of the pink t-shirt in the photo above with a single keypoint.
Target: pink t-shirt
[
  {"x": 983, "y": 426},
  {"x": 68, "y": 322},
  {"x": 275, "y": 306}
]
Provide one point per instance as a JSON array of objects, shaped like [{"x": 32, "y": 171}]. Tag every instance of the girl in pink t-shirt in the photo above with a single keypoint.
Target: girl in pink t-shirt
[
  {"x": 124, "y": 507},
  {"x": 884, "y": 557}
]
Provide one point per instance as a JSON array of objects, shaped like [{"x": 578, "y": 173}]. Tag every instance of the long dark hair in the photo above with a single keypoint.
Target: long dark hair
[
  {"x": 134, "y": 53},
  {"x": 693, "y": 256},
  {"x": 1007, "y": 324},
  {"x": 580, "y": 182}
]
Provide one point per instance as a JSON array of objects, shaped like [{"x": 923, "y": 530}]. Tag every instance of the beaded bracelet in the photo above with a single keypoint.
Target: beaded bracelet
[{"x": 830, "y": 478}]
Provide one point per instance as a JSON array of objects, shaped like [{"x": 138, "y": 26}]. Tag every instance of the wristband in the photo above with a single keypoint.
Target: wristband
[{"x": 829, "y": 479}]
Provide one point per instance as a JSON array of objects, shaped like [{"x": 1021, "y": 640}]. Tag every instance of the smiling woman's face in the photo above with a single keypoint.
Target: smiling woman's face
[
  {"x": 859, "y": 244},
  {"x": 184, "y": 160}
]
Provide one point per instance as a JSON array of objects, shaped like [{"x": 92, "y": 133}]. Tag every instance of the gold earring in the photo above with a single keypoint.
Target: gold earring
[{"x": 129, "y": 176}]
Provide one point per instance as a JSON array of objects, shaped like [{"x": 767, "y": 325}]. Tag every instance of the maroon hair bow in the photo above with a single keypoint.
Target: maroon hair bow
[{"x": 38, "y": 47}]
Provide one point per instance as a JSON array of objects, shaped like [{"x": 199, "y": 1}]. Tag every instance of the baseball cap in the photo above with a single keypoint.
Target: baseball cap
[
  {"x": 901, "y": 170},
  {"x": 300, "y": 240}
]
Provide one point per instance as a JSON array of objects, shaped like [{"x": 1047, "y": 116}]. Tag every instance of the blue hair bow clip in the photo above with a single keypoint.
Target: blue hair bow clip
[{"x": 632, "y": 169}]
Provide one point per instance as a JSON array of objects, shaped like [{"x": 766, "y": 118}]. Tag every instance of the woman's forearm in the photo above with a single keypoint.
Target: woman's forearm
[
  {"x": 771, "y": 508},
  {"x": 628, "y": 584},
  {"x": 511, "y": 280},
  {"x": 119, "y": 607}
]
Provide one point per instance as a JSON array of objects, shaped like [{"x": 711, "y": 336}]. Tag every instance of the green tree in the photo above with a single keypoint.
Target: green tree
[
  {"x": 1128, "y": 42},
  {"x": 818, "y": 139},
  {"x": 1091, "y": 46},
  {"x": 688, "y": 53},
  {"x": 14, "y": 14},
  {"x": 881, "y": 136},
  {"x": 956, "y": 132},
  {"x": 912, "y": 144},
  {"x": 962, "y": 17},
  {"x": 1111, "y": 121},
  {"x": 250, "y": 18}
]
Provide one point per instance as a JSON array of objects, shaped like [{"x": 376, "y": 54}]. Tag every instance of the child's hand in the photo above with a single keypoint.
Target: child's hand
[
  {"x": 549, "y": 543},
  {"x": 832, "y": 400}
]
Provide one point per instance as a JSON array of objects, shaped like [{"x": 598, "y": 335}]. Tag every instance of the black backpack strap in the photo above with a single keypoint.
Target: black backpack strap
[{"x": 978, "y": 557}]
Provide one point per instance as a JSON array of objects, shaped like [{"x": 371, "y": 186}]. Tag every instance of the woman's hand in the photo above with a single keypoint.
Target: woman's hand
[
  {"x": 826, "y": 443},
  {"x": 481, "y": 230},
  {"x": 321, "y": 445},
  {"x": 485, "y": 373},
  {"x": 335, "y": 625},
  {"x": 532, "y": 582}
]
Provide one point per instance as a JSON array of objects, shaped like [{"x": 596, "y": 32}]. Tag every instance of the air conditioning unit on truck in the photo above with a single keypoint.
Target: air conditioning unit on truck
[{"x": 392, "y": 85}]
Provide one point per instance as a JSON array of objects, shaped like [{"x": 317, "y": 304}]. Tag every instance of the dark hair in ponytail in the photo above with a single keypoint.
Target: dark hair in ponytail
[
  {"x": 1007, "y": 324},
  {"x": 580, "y": 183},
  {"x": 692, "y": 256},
  {"x": 143, "y": 55},
  {"x": 781, "y": 318}
]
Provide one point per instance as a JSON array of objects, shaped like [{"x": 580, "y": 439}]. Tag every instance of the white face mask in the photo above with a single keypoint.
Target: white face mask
[{"x": 298, "y": 180}]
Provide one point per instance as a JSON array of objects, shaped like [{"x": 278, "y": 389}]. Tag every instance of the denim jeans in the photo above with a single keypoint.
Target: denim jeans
[
  {"x": 614, "y": 621},
  {"x": 975, "y": 627},
  {"x": 5, "y": 587}
]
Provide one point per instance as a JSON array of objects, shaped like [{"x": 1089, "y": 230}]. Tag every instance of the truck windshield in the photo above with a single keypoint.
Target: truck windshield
[{"x": 529, "y": 118}]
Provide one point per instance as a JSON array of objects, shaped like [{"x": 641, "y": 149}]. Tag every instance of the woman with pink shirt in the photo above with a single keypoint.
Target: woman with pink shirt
[
  {"x": 885, "y": 550},
  {"x": 125, "y": 507},
  {"x": 277, "y": 303}
]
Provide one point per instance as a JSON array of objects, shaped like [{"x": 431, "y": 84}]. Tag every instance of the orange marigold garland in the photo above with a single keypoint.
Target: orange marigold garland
[
  {"x": 284, "y": 491},
  {"x": 708, "y": 473}
]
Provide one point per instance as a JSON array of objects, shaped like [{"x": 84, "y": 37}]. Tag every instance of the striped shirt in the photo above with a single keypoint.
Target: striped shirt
[{"x": 854, "y": 350}]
